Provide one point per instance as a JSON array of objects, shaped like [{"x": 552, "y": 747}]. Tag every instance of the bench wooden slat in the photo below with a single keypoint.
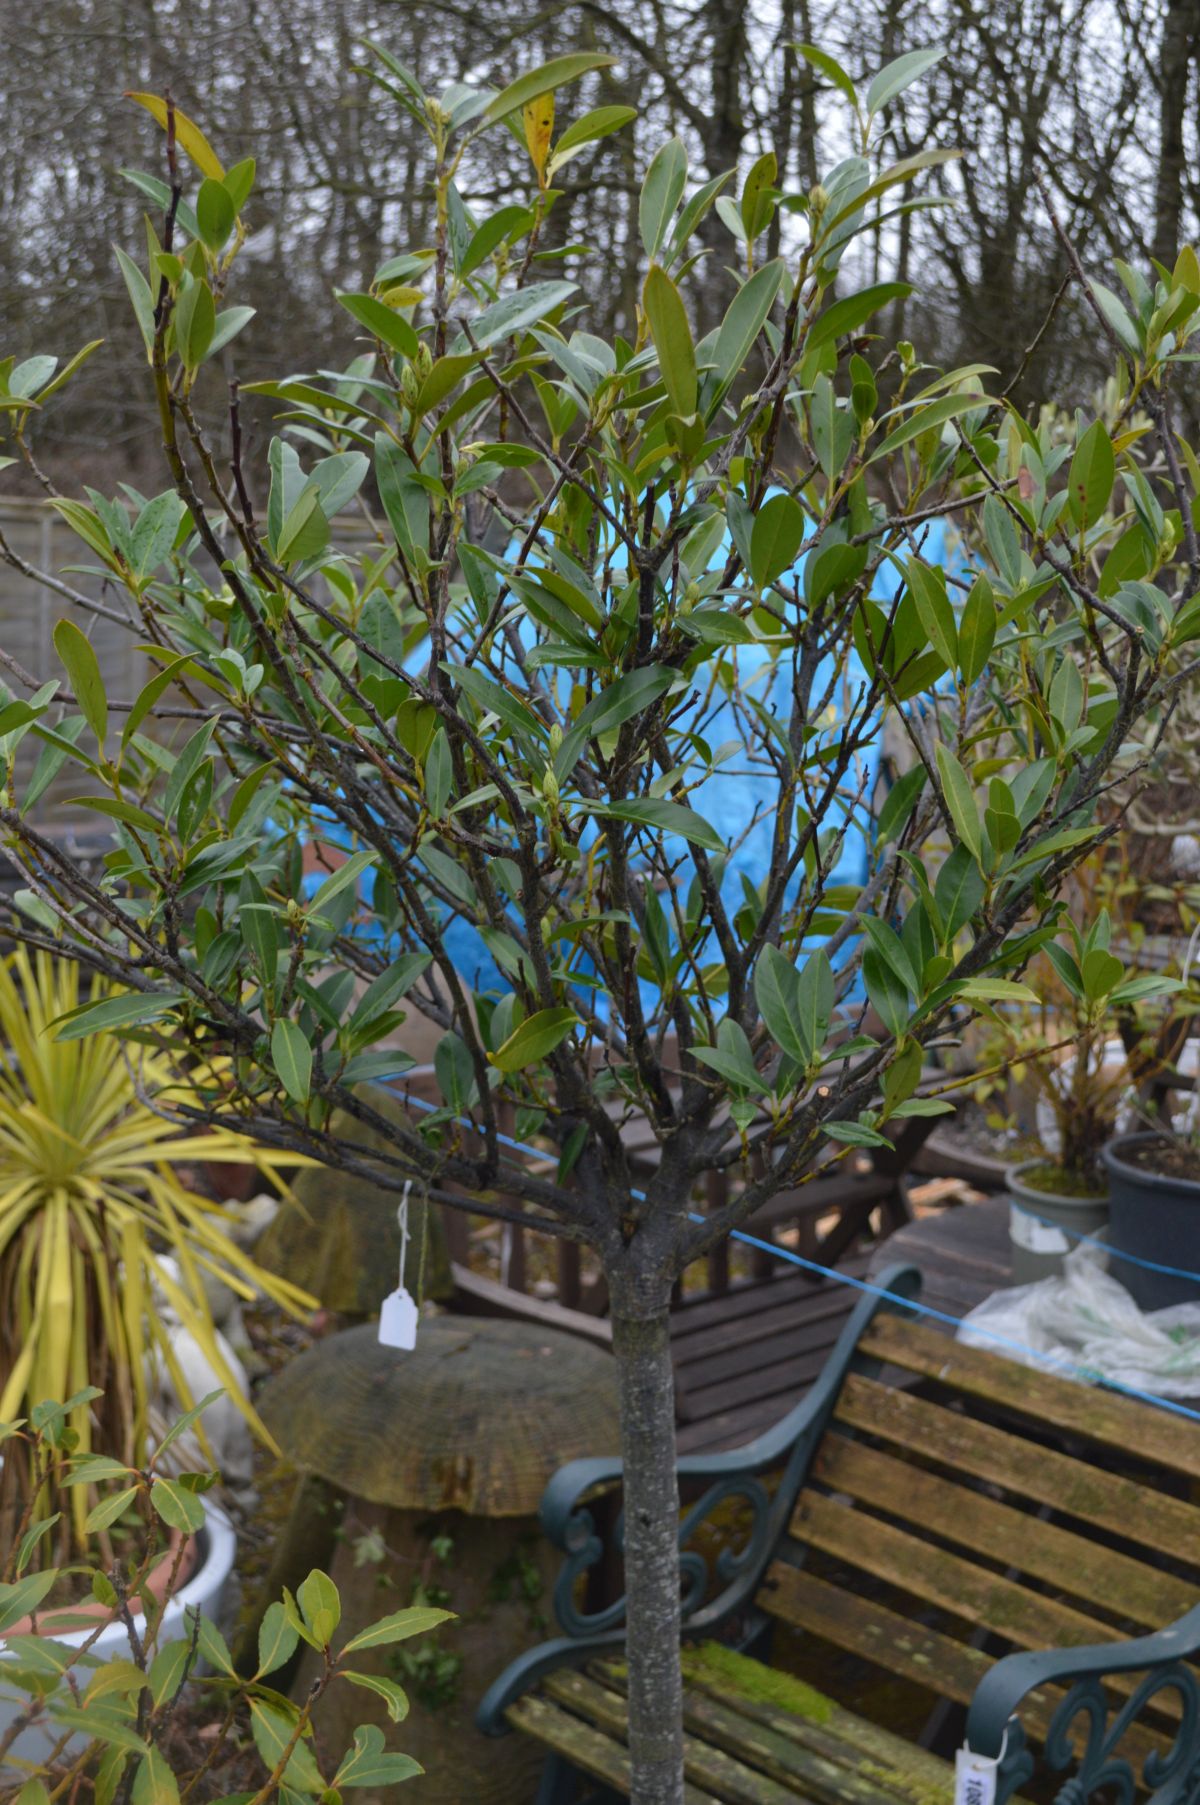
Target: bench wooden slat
[
  {"x": 947, "y": 1668},
  {"x": 1074, "y": 1489},
  {"x": 716, "y": 1772},
  {"x": 976, "y": 1594},
  {"x": 1101, "y": 1416},
  {"x": 894, "y": 1769},
  {"x": 585, "y": 1747},
  {"x": 829, "y": 1769},
  {"x": 832, "y": 1731},
  {"x": 1100, "y": 1576}
]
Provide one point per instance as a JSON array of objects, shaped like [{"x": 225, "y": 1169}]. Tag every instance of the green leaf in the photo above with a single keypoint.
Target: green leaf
[
  {"x": 996, "y": 990},
  {"x": 849, "y": 314},
  {"x": 18, "y": 1600},
  {"x": 1114, "y": 312},
  {"x": 393, "y": 1696},
  {"x": 776, "y": 991},
  {"x": 958, "y": 891},
  {"x": 543, "y": 80},
  {"x": 416, "y": 1620},
  {"x": 277, "y": 1640},
  {"x": 167, "y": 1671},
  {"x": 83, "y": 668},
  {"x": 899, "y": 804},
  {"x": 305, "y": 532},
  {"x": 934, "y": 611},
  {"x": 381, "y": 320},
  {"x": 814, "y": 1001},
  {"x": 744, "y": 320},
  {"x": 369, "y": 1763},
  {"x": 291, "y": 1056},
  {"x": 630, "y": 695},
  {"x": 1093, "y": 472},
  {"x": 936, "y": 413},
  {"x": 529, "y": 1044},
  {"x": 668, "y": 817},
  {"x": 183, "y": 1423},
  {"x": 139, "y": 294},
  {"x": 272, "y": 1726},
  {"x": 976, "y": 631},
  {"x": 524, "y": 307},
  {"x": 960, "y": 800},
  {"x": 177, "y": 1506},
  {"x": 320, "y": 1605},
  {"x": 895, "y": 77},
  {"x": 600, "y": 123},
  {"x": 776, "y": 538},
  {"x": 347, "y": 873},
  {"x": 855, "y": 1134},
  {"x": 887, "y": 993},
  {"x": 99, "y": 1726},
  {"x": 109, "y": 1509},
  {"x": 829, "y": 67},
  {"x": 195, "y": 322},
  {"x": 229, "y": 324},
  {"x": 662, "y": 191},
  {"x": 672, "y": 340},
  {"x": 133, "y": 1009},
  {"x": 215, "y": 213}
]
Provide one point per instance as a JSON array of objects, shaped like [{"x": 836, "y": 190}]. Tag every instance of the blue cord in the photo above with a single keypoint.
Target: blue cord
[
  {"x": 1174, "y": 1272},
  {"x": 1065, "y": 1366}
]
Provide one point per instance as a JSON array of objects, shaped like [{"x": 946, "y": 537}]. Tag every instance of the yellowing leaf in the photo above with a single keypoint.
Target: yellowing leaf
[
  {"x": 188, "y": 135},
  {"x": 538, "y": 116}
]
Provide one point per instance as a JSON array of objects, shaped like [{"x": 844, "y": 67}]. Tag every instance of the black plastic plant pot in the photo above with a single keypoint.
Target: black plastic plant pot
[{"x": 1153, "y": 1216}]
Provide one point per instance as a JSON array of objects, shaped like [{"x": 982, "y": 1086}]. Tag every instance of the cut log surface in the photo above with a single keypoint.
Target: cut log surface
[{"x": 476, "y": 1418}]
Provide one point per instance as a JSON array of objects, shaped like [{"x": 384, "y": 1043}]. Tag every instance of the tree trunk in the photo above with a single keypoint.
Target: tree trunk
[
  {"x": 641, "y": 1344},
  {"x": 1175, "y": 50}
]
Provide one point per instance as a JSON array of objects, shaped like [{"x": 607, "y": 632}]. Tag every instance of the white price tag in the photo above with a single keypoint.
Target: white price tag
[
  {"x": 398, "y": 1321},
  {"x": 974, "y": 1778},
  {"x": 1034, "y": 1236}
]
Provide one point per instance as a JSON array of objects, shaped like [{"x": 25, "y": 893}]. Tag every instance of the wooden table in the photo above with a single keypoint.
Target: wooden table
[{"x": 963, "y": 1255}]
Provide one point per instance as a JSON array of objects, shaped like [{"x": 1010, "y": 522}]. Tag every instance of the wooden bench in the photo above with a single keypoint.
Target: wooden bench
[{"x": 925, "y": 1518}]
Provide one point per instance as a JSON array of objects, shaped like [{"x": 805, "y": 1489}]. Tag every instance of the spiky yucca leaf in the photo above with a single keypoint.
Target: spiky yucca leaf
[{"x": 97, "y": 1227}]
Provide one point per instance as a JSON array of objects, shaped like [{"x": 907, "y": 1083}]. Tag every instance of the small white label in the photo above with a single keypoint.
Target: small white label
[
  {"x": 1034, "y": 1236},
  {"x": 974, "y": 1779},
  {"x": 398, "y": 1321}
]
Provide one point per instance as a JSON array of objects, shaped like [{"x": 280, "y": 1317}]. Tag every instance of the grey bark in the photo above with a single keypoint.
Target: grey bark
[{"x": 641, "y": 1344}]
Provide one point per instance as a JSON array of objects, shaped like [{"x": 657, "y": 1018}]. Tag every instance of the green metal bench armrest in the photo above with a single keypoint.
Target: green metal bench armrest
[
  {"x": 994, "y": 1729},
  {"x": 711, "y": 1595}
]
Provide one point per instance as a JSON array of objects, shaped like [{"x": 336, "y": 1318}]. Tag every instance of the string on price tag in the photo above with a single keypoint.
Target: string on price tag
[
  {"x": 975, "y": 1778},
  {"x": 399, "y": 1314}
]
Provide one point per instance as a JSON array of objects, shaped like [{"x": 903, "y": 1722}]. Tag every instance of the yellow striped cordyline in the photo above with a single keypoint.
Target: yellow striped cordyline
[{"x": 97, "y": 1225}]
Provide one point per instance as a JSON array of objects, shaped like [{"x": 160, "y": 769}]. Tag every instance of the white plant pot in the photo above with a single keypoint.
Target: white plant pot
[{"x": 205, "y": 1589}]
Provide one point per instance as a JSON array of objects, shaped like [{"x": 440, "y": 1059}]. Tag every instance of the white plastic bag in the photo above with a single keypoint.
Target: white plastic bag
[{"x": 1086, "y": 1319}]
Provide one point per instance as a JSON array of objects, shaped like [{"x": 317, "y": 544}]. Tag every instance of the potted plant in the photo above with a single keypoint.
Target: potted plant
[
  {"x": 1153, "y": 1171},
  {"x": 1068, "y": 1049},
  {"x": 134, "y": 1692},
  {"x": 589, "y": 552},
  {"x": 104, "y": 1251}
]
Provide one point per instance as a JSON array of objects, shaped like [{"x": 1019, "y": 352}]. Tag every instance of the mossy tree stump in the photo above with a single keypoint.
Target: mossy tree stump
[{"x": 442, "y": 1455}]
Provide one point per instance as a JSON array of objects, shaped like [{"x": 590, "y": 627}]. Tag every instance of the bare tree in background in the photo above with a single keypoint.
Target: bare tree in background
[{"x": 1099, "y": 97}]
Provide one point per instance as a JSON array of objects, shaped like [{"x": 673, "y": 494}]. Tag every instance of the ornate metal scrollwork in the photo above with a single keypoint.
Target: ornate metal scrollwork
[
  {"x": 712, "y": 1585},
  {"x": 1086, "y": 1734}
]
